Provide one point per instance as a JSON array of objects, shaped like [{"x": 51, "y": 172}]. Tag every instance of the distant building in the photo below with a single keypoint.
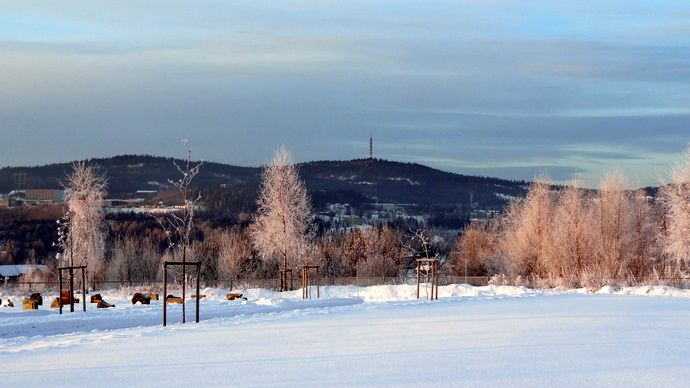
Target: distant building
[
  {"x": 43, "y": 196},
  {"x": 12, "y": 273}
]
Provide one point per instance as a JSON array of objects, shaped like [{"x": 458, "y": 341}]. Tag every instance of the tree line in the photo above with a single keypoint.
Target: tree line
[
  {"x": 575, "y": 237},
  {"x": 553, "y": 236}
]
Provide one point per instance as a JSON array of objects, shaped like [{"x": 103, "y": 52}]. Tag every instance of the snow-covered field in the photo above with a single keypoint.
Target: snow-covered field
[{"x": 374, "y": 336}]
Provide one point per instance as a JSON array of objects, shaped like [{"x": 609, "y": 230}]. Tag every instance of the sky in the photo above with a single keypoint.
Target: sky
[{"x": 507, "y": 89}]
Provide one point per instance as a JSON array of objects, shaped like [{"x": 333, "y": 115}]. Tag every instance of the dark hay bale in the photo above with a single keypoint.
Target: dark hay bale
[
  {"x": 141, "y": 298},
  {"x": 104, "y": 305},
  {"x": 37, "y": 297}
]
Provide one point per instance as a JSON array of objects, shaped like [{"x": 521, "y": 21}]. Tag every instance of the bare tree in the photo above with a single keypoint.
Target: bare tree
[
  {"x": 332, "y": 248},
  {"x": 182, "y": 222},
  {"x": 572, "y": 247},
  {"x": 644, "y": 233},
  {"x": 82, "y": 232},
  {"x": 355, "y": 251},
  {"x": 283, "y": 222},
  {"x": 475, "y": 250},
  {"x": 612, "y": 218},
  {"x": 235, "y": 249},
  {"x": 526, "y": 230},
  {"x": 675, "y": 199},
  {"x": 122, "y": 265},
  {"x": 385, "y": 251}
]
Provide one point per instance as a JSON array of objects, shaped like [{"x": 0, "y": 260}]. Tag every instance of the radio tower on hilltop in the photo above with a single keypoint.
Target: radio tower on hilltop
[{"x": 371, "y": 146}]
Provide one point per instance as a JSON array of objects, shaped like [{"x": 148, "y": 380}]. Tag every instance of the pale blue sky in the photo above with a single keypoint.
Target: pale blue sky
[{"x": 496, "y": 88}]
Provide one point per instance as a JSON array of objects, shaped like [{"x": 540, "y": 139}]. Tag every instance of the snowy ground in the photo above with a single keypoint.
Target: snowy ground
[{"x": 374, "y": 336}]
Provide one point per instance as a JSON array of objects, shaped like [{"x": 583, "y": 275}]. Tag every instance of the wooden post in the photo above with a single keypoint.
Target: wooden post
[
  {"x": 418, "y": 275},
  {"x": 431, "y": 275},
  {"x": 198, "y": 297},
  {"x": 60, "y": 291},
  {"x": 165, "y": 293},
  {"x": 435, "y": 264},
  {"x": 165, "y": 287},
  {"x": 306, "y": 281},
  {"x": 71, "y": 289},
  {"x": 283, "y": 280},
  {"x": 83, "y": 288},
  {"x": 70, "y": 292}
]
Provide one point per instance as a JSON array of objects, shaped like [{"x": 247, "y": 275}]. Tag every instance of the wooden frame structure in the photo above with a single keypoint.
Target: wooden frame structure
[
  {"x": 283, "y": 280},
  {"x": 165, "y": 287},
  {"x": 306, "y": 281},
  {"x": 431, "y": 275},
  {"x": 71, "y": 286}
]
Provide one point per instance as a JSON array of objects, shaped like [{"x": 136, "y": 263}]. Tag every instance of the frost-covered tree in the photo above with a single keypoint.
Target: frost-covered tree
[
  {"x": 82, "y": 231},
  {"x": 283, "y": 221},
  {"x": 675, "y": 198},
  {"x": 572, "y": 248},
  {"x": 612, "y": 219},
  {"x": 526, "y": 232},
  {"x": 123, "y": 261},
  {"x": 475, "y": 250},
  {"x": 234, "y": 251},
  {"x": 644, "y": 233}
]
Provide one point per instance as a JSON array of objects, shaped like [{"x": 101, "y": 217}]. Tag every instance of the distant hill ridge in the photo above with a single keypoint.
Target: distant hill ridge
[{"x": 378, "y": 180}]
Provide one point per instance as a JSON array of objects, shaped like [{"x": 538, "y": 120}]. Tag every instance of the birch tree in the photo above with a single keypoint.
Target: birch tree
[
  {"x": 182, "y": 223},
  {"x": 527, "y": 226},
  {"x": 82, "y": 232},
  {"x": 612, "y": 220},
  {"x": 675, "y": 198},
  {"x": 235, "y": 249},
  {"x": 644, "y": 233},
  {"x": 475, "y": 250},
  {"x": 572, "y": 232},
  {"x": 283, "y": 221}
]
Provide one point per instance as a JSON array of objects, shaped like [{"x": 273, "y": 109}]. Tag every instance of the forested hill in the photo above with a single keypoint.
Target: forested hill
[
  {"x": 398, "y": 182},
  {"x": 328, "y": 181}
]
